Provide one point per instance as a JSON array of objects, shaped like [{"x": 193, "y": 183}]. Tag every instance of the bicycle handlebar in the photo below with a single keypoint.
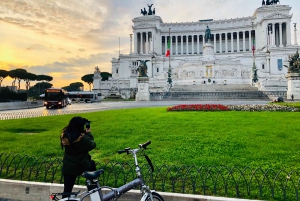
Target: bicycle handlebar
[
  {"x": 145, "y": 144},
  {"x": 126, "y": 150}
]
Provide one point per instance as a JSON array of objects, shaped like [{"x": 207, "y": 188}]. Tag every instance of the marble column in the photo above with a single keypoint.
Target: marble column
[
  {"x": 141, "y": 43},
  {"x": 176, "y": 45},
  {"x": 166, "y": 44},
  {"x": 220, "y": 36},
  {"x": 273, "y": 34},
  {"x": 244, "y": 41},
  {"x": 198, "y": 44},
  {"x": 147, "y": 43},
  {"x": 288, "y": 33},
  {"x": 171, "y": 45},
  {"x": 192, "y": 44},
  {"x": 237, "y": 41},
  {"x": 226, "y": 43},
  {"x": 187, "y": 45},
  {"x": 250, "y": 41},
  {"x": 232, "y": 50},
  {"x": 135, "y": 45},
  {"x": 215, "y": 44},
  {"x": 181, "y": 44},
  {"x": 280, "y": 35}
]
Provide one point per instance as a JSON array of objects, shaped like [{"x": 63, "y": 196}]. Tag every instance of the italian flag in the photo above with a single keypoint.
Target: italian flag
[
  {"x": 253, "y": 46},
  {"x": 168, "y": 50}
]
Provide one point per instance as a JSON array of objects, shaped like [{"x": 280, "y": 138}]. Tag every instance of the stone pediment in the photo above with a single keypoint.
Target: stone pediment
[{"x": 277, "y": 16}]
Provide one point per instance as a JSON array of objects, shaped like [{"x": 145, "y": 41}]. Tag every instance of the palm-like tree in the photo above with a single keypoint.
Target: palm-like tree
[
  {"x": 88, "y": 79},
  {"x": 3, "y": 74}
]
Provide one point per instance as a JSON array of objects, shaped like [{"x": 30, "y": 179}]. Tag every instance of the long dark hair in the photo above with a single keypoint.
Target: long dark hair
[{"x": 74, "y": 129}]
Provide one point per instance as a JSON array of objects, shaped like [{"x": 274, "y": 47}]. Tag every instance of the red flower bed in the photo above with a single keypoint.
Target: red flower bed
[{"x": 199, "y": 107}]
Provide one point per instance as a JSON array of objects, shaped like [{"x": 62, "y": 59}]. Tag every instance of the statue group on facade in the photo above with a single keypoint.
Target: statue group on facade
[
  {"x": 294, "y": 63},
  {"x": 142, "y": 69},
  {"x": 150, "y": 11},
  {"x": 207, "y": 35},
  {"x": 270, "y": 2}
]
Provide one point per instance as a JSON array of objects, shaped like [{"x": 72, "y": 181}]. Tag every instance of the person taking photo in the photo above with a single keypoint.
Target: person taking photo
[{"x": 77, "y": 141}]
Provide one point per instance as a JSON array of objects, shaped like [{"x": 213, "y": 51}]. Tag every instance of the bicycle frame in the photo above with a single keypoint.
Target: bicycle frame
[{"x": 96, "y": 193}]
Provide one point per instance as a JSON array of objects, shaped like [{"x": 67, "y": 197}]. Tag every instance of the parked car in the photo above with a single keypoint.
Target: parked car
[{"x": 278, "y": 99}]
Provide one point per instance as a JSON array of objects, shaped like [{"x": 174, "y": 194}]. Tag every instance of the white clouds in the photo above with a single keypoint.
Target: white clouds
[{"x": 59, "y": 36}]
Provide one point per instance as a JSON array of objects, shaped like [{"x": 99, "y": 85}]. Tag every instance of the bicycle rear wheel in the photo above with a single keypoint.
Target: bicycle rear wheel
[{"x": 156, "y": 197}]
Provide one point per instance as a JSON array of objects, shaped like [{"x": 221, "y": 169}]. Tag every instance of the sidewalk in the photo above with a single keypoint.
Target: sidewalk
[{"x": 14, "y": 190}]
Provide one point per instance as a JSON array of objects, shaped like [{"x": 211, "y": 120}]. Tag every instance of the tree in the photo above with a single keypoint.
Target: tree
[
  {"x": 41, "y": 86},
  {"x": 105, "y": 75},
  {"x": 76, "y": 86},
  {"x": 29, "y": 77},
  {"x": 34, "y": 92},
  {"x": 17, "y": 74},
  {"x": 44, "y": 78},
  {"x": 12, "y": 74},
  {"x": 88, "y": 79},
  {"x": 3, "y": 74}
]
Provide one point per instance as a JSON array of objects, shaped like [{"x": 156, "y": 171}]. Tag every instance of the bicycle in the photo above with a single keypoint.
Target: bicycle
[{"x": 94, "y": 190}]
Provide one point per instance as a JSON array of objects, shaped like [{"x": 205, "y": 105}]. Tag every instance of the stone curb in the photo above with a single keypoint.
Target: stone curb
[{"x": 14, "y": 190}]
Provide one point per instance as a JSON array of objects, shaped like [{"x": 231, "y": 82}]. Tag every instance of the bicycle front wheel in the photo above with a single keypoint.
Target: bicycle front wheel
[{"x": 156, "y": 197}]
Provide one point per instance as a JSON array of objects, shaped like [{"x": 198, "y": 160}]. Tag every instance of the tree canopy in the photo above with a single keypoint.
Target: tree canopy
[
  {"x": 76, "y": 86},
  {"x": 3, "y": 74},
  {"x": 88, "y": 79},
  {"x": 105, "y": 75}
]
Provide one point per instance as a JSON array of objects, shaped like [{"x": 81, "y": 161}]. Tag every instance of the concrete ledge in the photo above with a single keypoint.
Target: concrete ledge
[
  {"x": 21, "y": 105},
  {"x": 14, "y": 190}
]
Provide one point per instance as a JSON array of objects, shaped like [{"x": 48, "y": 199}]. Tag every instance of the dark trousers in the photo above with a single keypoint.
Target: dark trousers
[{"x": 69, "y": 180}]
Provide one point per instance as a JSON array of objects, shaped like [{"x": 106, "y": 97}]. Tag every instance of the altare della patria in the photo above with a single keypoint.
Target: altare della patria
[{"x": 245, "y": 57}]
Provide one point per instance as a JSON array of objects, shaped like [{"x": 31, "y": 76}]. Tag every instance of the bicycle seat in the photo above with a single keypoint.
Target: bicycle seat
[{"x": 92, "y": 175}]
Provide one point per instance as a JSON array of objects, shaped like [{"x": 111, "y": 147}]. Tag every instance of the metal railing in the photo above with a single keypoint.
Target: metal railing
[{"x": 223, "y": 181}]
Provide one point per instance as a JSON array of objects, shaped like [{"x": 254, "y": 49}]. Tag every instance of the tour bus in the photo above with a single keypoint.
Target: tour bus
[
  {"x": 85, "y": 96},
  {"x": 55, "y": 97}
]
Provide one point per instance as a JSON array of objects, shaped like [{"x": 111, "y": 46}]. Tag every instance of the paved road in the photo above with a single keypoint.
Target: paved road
[{"x": 91, "y": 107}]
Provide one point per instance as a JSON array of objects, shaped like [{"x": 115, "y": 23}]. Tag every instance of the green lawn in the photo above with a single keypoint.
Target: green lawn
[{"x": 255, "y": 139}]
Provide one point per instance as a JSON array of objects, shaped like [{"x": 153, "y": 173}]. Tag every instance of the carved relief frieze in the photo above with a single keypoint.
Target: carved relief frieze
[
  {"x": 276, "y": 16},
  {"x": 144, "y": 25}
]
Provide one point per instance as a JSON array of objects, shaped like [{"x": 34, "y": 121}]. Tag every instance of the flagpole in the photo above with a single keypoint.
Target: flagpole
[
  {"x": 170, "y": 70},
  {"x": 254, "y": 78}
]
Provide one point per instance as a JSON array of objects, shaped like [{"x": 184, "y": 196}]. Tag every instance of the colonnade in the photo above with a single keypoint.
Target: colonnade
[
  {"x": 226, "y": 42},
  {"x": 143, "y": 42},
  {"x": 277, "y": 34}
]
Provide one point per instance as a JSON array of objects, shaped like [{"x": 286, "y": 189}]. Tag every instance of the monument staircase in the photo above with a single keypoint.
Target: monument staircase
[{"x": 210, "y": 92}]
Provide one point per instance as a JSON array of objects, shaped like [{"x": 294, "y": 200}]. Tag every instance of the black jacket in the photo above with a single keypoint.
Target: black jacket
[{"x": 76, "y": 158}]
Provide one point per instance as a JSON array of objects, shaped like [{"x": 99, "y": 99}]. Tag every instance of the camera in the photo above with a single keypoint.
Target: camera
[{"x": 87, "y": 124}]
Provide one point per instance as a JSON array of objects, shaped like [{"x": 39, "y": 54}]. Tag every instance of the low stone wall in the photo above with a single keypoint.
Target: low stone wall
[
  {"x": 20, "y": 105},
  {"x": 13, "y": 190}
]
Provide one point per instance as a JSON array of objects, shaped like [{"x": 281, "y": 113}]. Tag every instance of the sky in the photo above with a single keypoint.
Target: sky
[{"x": 66, "y": 39}]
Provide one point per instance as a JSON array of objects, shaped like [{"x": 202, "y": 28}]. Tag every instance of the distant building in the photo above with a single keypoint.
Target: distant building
[
  {"x": 12, "y": 88},
  {"x": 229, "y": 60}
]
